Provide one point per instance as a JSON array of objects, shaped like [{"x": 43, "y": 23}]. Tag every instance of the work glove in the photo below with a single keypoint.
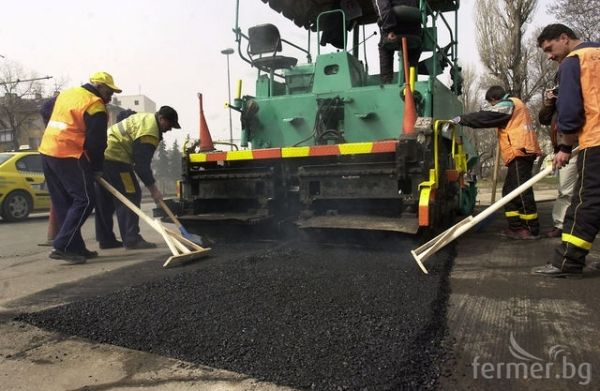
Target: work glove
[{"x": 455, "y": 120}]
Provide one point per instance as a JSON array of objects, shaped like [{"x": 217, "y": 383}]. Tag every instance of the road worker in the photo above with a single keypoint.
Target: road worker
[
  {"x": 519, "y": 148},
  {"x": 578, "y": 119},
  {"x": 131, "y": 145},
  {"x": 397, "y": 18},
  {"x": 72, "y": 150}
]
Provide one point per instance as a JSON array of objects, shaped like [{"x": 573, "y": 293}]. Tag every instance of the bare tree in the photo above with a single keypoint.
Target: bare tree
[
  {"x": 484, "y": 140},
  {"x": 20, "y": 94},
  {"x": 510, "y": 54},
  {"x": 583, "y": 16},
  {"x": 471, "y": 95},
  {"x": 541, "y": 75},
  {"x": 503, "y": 48}
]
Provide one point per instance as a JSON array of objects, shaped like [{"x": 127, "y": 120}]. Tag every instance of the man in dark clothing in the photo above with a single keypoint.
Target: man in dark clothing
[
  {"x": 131, "y": 145},
  {"x": 397, "y": 18},
  {"x": 519, "y": 149},
  {"x": 568, "y": 174},
  {"x": 72, "y": 150},
  {"x": 578, "y": 108}
]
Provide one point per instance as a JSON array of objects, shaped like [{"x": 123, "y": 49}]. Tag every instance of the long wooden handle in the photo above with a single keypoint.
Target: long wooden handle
[
  {"x": 128, "y": 203},
  {"x": 422, "y": 253},
  {"x": 170, "y": 214}
]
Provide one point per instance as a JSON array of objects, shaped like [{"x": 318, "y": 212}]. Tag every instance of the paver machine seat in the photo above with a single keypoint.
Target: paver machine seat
[{"x": 264, "y": 41}]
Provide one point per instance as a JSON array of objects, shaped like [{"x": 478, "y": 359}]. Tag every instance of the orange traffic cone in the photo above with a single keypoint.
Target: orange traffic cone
[
  {"x": 206, "y": 143},
  {"x": 410, "y": 110}
]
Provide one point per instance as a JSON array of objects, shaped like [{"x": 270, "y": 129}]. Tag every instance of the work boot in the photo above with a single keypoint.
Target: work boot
[
  {"x": 140, "y": 245},
  {"x": 518, "y": 234},
  {"x": 69, "y": 257},
  {"x": 111, "y": 244},
  {"x": 89, "y": 254},
  {"x": 553, "y": 233},
  {"x": 549, "y": 270}
]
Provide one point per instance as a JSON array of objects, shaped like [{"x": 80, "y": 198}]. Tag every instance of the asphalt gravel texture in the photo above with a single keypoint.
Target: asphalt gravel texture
[{"x": 298, "y": 315}]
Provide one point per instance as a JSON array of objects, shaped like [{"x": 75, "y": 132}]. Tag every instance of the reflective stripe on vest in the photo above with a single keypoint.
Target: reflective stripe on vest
[
  {"x": 589, "y": 62},
  {"x": 65, "y": 134},
  {"x": 121, "y": 127},
  {"x": 518, "y": 138},
  {"x": 122, "y": 135}
]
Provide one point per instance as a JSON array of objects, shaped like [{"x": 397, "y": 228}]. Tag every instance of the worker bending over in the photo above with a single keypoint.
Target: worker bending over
[
  {"x": 519, "y": 148},
  {"x": 131, "y": 145}
]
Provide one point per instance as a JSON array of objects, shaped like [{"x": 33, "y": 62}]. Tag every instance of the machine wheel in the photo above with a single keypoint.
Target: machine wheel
[{"x": 16, "y": 206}]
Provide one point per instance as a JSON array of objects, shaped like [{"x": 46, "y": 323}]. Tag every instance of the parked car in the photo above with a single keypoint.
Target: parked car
[{"x": 22, "y": 185}]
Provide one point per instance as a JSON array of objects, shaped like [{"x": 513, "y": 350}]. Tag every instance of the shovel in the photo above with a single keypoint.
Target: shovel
[{"x": 184, "y": 232}]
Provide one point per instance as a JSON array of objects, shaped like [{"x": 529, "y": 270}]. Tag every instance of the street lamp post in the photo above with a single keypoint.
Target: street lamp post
[{"x": 228, "y": 52}]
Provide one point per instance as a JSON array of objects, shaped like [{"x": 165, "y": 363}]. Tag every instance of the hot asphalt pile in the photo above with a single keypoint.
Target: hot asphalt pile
[{"x": 326, "y": 318}]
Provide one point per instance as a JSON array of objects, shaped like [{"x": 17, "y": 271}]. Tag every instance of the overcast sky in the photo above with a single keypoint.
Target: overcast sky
[{"x": 167, "y": 50}]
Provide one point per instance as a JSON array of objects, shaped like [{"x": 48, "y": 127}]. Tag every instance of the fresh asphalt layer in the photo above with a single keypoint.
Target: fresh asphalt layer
[{"x": 329, "y": 317}]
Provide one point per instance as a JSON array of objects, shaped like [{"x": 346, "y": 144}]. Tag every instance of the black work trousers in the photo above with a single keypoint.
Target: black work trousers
[
  {"x": 582, "y": 220},
  {"x": 122, "y": 177},
  {"x": 386, "y": 59},
  {"x": 521, "y": 212},
  {"x": 71, "y": 186}
]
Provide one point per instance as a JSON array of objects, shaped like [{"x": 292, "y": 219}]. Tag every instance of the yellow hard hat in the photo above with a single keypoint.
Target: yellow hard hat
[{"x": 106, "y": 79}]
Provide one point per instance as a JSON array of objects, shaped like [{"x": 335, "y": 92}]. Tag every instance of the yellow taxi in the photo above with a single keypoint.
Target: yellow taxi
[{"x": 22, "y": 185}]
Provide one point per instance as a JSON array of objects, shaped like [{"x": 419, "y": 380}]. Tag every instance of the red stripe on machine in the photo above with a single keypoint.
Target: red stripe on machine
[
  {"x": 271, "y": 153},
  {"x": 324, "y": 150},
  {"x": 216, "y": 156},
  {"x": 384, "y": 146}
]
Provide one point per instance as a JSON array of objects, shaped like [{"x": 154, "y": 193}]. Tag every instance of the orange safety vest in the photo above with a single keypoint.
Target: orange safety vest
[
  {"x": 589, "y": 62},
  {"x": 65, "y": 134},
  {"x": 518, "y": 138}
]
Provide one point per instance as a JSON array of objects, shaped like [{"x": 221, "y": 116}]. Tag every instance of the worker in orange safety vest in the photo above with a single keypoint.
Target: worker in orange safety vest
[
  {"x": 519, "y": 148},
  {"x": 72, "y": 150},
  {"x": 578, "y": 119}
]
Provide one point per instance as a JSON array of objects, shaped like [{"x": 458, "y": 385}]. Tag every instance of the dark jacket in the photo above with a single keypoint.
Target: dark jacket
[
  {"x": 95, "y": 134},
  {"x": 570, "y": 97},
  {"x": 387, "y": 17}
]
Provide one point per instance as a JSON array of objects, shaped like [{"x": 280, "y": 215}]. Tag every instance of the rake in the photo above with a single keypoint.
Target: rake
[
  {"x": 182, "y": 249},
  {"x": 424, "y": 252}
]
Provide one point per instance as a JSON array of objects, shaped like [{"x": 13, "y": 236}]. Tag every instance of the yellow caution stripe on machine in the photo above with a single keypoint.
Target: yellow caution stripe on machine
[{"x": 297, "y": 152}]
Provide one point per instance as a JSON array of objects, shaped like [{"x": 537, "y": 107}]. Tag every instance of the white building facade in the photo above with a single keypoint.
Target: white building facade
[{"x": 138, "y": 103}]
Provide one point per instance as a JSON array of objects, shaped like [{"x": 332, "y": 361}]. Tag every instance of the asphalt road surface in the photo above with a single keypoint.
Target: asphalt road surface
[
  {"x": 272, "y": 314},
  {"x": 265, "y": 315}
]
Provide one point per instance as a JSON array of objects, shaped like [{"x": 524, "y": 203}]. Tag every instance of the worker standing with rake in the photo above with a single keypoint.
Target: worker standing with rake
[
  {"x": 131, "y": 145},
  {"x": 578, "y": 108}
]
